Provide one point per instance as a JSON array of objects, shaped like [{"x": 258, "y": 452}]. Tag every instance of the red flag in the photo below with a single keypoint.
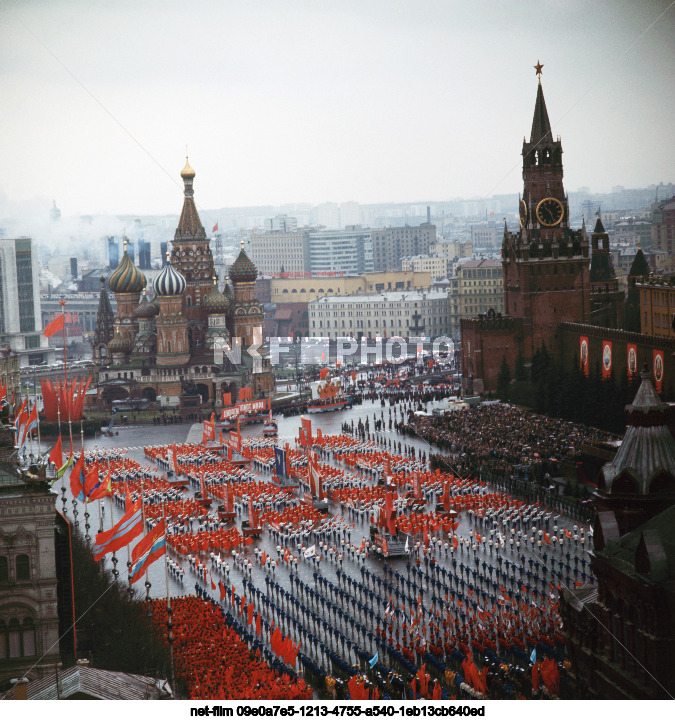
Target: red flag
[
  {"x": 103, "y": 489},
  {"x": 151, "y": 547},
  {"x": 77, "y": 479},
  {"x": 258, "y": 625},
  {"x": 91, "y": 480},
  {"x": 56, "y": 455},
  {"x": 54, "y": 327},
  {"x": 249, "y": 618},
  {"x": 215, "y": 228}
]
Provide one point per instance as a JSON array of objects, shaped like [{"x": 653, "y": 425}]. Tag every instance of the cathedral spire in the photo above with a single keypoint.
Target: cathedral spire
[
  {"x": 189, "y": 226},
  {"x": 541, "y": 126}
]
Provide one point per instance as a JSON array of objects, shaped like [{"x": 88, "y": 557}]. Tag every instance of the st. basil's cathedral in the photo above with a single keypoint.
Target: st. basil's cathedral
[{"x": 176, "y": 344}]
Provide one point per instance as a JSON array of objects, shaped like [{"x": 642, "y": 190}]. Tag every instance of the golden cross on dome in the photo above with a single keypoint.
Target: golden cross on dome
[{"x": 538, "y": 68}]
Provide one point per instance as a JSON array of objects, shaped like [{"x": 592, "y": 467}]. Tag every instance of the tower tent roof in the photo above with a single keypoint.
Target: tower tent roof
[
  {"x": 541, "y": 127},
  {"x": 189, "y": 226},
  {"x": 639, "y": 266}
]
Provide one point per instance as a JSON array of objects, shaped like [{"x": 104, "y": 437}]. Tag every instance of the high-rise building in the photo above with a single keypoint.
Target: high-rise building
[
  {"x": 281, "y": 223},
  {"x": 326, "y": 214},
  {"x": 663, "y": 226},
  {"x": 348, "y": 251},
  {"x": 20, "y": 313},
  {"x": 144, "y": 255},
  {"x": 392, "y": 244},
  {"x": 274, "y": 252},
  {"x": 350, "y": 214},
  {"x": 113, "y": 252}
]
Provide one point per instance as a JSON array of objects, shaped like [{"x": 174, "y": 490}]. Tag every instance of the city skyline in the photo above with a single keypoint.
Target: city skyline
[{"x": 376, "y": 103}]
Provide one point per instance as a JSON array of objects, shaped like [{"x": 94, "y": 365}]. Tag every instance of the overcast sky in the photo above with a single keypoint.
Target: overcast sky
[{"x": 310, "y": 100}]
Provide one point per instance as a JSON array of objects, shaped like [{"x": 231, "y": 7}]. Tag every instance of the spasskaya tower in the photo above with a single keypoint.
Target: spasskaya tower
[{"x": 546, "y": 274}]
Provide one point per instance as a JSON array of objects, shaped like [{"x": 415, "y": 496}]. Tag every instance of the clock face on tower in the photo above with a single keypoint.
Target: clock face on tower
[
  {"x": 550, "y": 212},
  {"x": 522, "y": 211}
]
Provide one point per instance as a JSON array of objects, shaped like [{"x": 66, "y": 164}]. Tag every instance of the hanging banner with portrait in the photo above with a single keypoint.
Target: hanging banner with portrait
[
  {"x": 606, "y": 359},
  {"x": 658, "y": 370},
  {"x": 631, "y": 361},
  {"x": 583, "y": 354}
]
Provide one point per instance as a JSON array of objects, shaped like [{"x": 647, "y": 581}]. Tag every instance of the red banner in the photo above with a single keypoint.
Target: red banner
[
  {"x": 307, "y": 425},
  {"x": 658, "y": 370},
  {"x": 606, "y": 359},
  {"x": 249, "y": 406},
  {"x": 235, "y": 441},
  {"x": 583, "y": 354},
  {"x": 417, "y": 492},
  {"x": 631, "y": 361}
]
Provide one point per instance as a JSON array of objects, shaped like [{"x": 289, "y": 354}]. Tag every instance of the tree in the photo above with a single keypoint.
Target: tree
[
  {"x": 521, "y": 371},
  {"x": 504, "y": 379}
]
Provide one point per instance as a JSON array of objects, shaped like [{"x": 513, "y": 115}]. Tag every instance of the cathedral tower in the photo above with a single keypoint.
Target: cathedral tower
[
  {"x": 173, "y": 348},
  {"x": 191, "y": 257},
  {"x": 126, "y": 282}
]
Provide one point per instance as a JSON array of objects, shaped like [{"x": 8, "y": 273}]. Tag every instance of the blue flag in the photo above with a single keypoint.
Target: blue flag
[
  {"x": 373, "y": 661},
  {"x": 280, "y": 461},
  {"x": 533, "y": 657}
]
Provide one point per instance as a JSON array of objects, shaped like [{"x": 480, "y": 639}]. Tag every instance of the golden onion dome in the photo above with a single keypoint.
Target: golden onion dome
[{"x": 187, "y": 171}]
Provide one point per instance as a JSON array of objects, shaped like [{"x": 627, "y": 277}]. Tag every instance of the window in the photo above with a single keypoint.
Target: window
[
  {"x": 22, "y": 567},
  {"x": 4, "y": 572},
  {"x": 28, "y": 637}
]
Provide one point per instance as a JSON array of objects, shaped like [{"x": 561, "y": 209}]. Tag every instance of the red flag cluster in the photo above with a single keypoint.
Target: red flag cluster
[
  {"x": 68, "y": 396},
  {"x": 284, "y": 647}
]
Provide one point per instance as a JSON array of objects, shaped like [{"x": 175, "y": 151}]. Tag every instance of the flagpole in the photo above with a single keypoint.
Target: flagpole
[
  {"x": 30, "y": 432},
  {"x": 116, "y": 573},
  {"x": 147, "y": 582},
  {"x": 169, "y": 624},
  {"x": 37, "y": 412},
  {"x": 63, "y": 475},
  {"x": 86, "y": 505}
]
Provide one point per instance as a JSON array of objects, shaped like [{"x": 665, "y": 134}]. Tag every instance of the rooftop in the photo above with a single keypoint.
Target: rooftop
[{"x": 397, "y": 296}]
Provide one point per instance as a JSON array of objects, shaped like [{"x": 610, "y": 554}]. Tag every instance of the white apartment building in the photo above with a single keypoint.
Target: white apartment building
[
  {"x": 348, "y": 251},
  {"x": 270, "y": 252},
  {"x": 20, "y": 312},
  {"x": 436, "y": 266},
  {"x": 381, "y": 315}
]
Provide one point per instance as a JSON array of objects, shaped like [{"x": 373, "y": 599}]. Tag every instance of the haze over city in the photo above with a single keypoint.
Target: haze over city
[{"x": 281, "y": 102}]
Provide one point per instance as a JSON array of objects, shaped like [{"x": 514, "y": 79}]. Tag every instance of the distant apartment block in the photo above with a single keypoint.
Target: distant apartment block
[
  {"x": 381, "y": 315},
  {"x": 487, "y": 235},
  {"x": 663, "y": 226},
  {"x": 390, "y": 245},
  {"x": 437, "y": 266},
  {"x": 480, "y": 286},
  {"x": 273, "y": 251},
  {"x": 281, "y": 224},
  {"x": 348, "y": 251}
]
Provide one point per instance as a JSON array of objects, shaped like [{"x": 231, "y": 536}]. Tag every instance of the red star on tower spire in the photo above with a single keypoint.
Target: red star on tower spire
[{"x": 538, "y": 68}]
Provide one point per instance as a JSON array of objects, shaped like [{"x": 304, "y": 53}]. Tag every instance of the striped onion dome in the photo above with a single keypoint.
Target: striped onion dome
[
  {"x": 126, "y": 278},
  {"x": 215, "y": 301},
  {"x": 169, "y": 281},
  {"x": 146, "y": 309}
]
